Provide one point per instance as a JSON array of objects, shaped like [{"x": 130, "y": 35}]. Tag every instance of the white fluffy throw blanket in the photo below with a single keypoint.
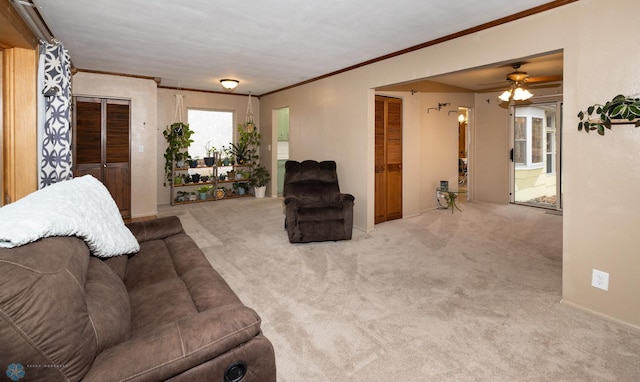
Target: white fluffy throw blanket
[{"x": 81, "y": 207}]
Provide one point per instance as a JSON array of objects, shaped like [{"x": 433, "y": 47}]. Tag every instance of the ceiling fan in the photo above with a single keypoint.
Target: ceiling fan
[{"x": 519, "y": 83}]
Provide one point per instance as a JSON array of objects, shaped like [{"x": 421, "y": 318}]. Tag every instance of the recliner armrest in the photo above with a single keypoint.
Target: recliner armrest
[
  {"x": 178, "y": 346},
  {"x": 346, "y": 197}
]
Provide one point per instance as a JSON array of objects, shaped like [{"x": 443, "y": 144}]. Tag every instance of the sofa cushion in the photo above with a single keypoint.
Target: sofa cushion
[
  {"x": 43, "y": 315},
  {"x": 118, "y": 265},
  {"x": 170, "y": 279},
  {"x": 107, "y": 304}
]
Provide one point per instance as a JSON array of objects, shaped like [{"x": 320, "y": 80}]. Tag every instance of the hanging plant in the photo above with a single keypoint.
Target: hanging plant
[
  {"x": 245, "y": 150},
  {"x": 178, "y": 136},
  {"x": 620, "y": 109}
]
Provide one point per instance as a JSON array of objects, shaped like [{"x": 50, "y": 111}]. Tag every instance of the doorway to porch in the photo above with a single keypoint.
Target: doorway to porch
[{"x": 535, "y": 155}]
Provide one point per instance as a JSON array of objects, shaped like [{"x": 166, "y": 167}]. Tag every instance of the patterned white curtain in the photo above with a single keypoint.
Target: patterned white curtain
[{"x": 54, "y": 132}]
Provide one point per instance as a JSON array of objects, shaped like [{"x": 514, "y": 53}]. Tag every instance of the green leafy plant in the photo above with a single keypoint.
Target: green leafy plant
[
  {"x": 619, "y": 108},
  {"x": 259, "y": 177},
  {"x": 210, "y": 150},
  {"x": 178, "y": 136},
  {"x": 203, "y": 189},
  {"x": 246, "y": 149}
]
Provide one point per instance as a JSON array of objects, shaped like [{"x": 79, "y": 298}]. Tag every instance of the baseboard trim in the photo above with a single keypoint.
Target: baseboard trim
[
  {"x": 625, "y": 324},
  {"x": 141, "y": 217}
]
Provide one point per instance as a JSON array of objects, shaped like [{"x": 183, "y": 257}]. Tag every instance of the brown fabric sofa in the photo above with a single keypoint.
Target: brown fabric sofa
[
  {"x": 161, "y": 314},
  {"x": 315, "y": 210}
]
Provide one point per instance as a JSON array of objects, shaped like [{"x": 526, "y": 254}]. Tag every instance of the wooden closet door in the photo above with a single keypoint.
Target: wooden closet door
[
  {"x": 116, "y": 170},
  {"x": 388, "y": 159},
  {"x": 88, "y": 137},
  {"x": 101, "y": 145}
]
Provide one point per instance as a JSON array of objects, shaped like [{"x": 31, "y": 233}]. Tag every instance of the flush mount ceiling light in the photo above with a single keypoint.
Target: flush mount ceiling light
[{"x": 229, "y": 84}]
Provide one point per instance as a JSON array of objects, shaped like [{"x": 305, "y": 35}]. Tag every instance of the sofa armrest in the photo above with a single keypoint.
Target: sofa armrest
[
  {"x": 155, "y": 229},
  {"x": 178, "y": 346}
]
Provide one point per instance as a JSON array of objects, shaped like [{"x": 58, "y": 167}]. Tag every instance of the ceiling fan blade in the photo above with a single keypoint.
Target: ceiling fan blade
[
  {"x": 492, "y": 90},
  {"x": 498, "y": 83},
  {"x": 503, "y": 88},
  {"x": 543, "y": 86},
  {"x": 534, "y": 80}
]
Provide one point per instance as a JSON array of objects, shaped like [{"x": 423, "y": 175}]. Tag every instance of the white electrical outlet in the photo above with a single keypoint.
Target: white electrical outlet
[{"x": 600, "y": 279}]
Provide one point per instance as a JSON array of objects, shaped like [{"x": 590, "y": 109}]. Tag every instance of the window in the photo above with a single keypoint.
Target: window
[
  {"x": 529, "y": 137},
  {"x": 550, "y": 152},
  {"x": 210, "y": 129},
  {"x": 520, "y": 147},
  {"x": 536, "y": 140}
]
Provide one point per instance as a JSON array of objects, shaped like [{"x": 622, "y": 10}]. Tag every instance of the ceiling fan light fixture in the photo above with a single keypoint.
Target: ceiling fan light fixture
[
  {"x": 229, "y": 84},
  {"x": 521, "y": 94},
  {"x": 505, "y": 96}
]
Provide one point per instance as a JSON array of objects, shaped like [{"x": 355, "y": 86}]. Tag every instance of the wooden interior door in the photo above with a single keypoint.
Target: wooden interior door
[
  {"x": 388, "y": 159},
  {"x": 102, "y": 149},
  {"x": 88, "y": 137}
]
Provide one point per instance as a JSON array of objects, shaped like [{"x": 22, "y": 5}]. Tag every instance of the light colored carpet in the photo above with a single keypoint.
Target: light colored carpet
[{"x": 470, "y": 296}]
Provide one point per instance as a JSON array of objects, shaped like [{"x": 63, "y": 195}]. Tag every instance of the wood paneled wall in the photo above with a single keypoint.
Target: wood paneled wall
[
  {"x": 19, "y": 162},
  {"x": 19, "y": 109}
]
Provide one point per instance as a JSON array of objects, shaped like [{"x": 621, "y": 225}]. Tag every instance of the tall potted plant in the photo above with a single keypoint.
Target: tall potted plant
[
  {"x": 260, "y": 176},
  {"x": 178, "y": 136}
]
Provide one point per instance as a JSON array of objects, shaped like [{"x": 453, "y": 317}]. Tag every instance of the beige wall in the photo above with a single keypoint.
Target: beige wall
[
  {"x": 333, "y": 119},
  {"x": 602, "y": 181},
  {"x": 201, "y": 100},
  {"x": 142, "y": 94}
]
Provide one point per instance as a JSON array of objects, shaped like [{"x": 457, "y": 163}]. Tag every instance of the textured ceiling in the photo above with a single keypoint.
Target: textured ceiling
[{"x": 266, "y": 45}]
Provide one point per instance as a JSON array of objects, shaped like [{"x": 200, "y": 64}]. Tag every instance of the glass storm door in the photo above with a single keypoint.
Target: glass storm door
[{"x": 535, "y": 155}]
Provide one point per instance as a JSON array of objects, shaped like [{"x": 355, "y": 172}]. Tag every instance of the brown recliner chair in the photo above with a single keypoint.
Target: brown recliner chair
[{"x": 315, "y": 210}]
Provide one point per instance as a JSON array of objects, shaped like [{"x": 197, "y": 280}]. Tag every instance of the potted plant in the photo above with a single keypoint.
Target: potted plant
[
  {"x": 241, "y": 152},
  {"x": 258, "y": 179},
  {"x": 620, "y": 109},
  {"x": 210, "y": 159},
  {"x": 228, "y": 155},
  {"x": 182, "y": 196},
  {"x": 239, "y": 188},
  {"x": 193, "y": 162},
  {"x": 246, "y": 149},
  {"x": 178, "y": 136},
  {"x": 203, "y": 190}
]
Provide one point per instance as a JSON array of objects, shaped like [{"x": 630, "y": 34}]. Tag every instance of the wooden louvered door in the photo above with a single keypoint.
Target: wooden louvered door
[
  {"x": 101, "y": 145},
  {"x": 388, "y": 159}
]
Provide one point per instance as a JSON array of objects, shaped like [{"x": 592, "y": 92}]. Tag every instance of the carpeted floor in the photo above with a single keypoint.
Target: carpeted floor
[{"x": 470, "y": 296}]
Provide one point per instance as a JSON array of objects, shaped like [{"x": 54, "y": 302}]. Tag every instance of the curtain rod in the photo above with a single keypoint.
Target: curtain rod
[{"x": 30, "y": 15}]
